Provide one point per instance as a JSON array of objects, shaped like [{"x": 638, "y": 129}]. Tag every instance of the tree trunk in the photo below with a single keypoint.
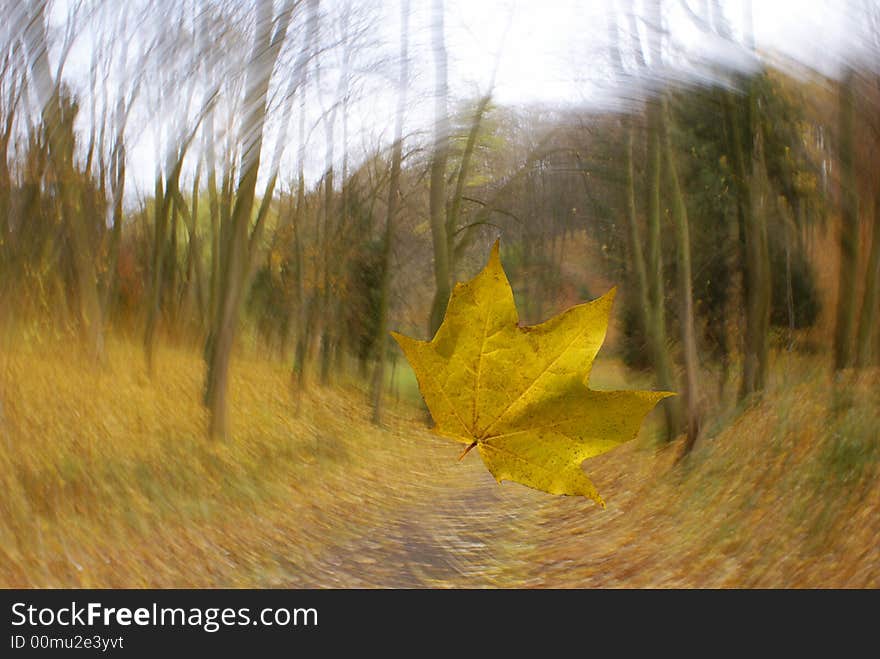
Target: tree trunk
[
  {"x": 693, "y": 393},
  {"x": 118, "y": 192},
  {"x": 463, "y": 170},
  {"x": 302, "y": 311},
  {"x": 635, "y": 239},
  {"x": 656, "y": 331},
  {"x": 437, "y": 198},
  {"x": 265, "y": 51},
  {"x": 871, "y": 300},
  {"x": 304, "y": 307},
  {"x": 750, "y": 181},
  {"x": 173, "y": 265},
  {"x": 381, "y": 349},
  {"x": 849, "y": 231},
  {"x": 326, "y": 330},
  {"x": 61, "y": 149},
  {"x": 190, "y": 297},
  {"x": 758, "y": 282},
  {"x": 9, "y": 111},
  {"x": 163, "y": 198}
]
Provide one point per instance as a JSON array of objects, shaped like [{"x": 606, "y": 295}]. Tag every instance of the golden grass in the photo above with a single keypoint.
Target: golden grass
[
  {"x": 108, "y": 481},
  {"x": 785, "y": 493}
]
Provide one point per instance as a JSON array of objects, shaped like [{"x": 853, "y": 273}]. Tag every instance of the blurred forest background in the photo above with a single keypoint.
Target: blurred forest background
[{"x": 212, "y": 214}]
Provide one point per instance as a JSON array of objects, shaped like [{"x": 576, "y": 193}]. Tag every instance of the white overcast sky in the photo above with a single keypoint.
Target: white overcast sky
[
  {"x": 547, "y": 50},
  {"x": 552, "y": 52}
]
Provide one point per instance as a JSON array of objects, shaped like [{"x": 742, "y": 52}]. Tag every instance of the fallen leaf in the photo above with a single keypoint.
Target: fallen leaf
[{"x": 519, "y": 394}]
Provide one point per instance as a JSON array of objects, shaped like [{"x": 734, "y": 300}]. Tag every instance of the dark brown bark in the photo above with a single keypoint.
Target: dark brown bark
[
  {"x": 656, "y": 331},
  {"x": 378, "y": 386},
  {"x": 750, "y": 181},
  {"x": 634, "y": 233},
  {"x": 844, "y": 332},
  {"x": 693, "y": 394},
  {"x": 865, "y": 340},
  {"x": 437, "y": 197}
]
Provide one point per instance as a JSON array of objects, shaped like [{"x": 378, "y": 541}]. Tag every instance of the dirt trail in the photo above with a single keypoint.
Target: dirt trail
[
  {"x": 442, "y": 536},
  {"x": 454, "y": 526},
  {"x": 424, "y": 545},
  {"x": 706, "y": 524}
]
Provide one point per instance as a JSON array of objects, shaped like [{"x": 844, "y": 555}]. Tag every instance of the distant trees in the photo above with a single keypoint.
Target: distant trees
[
  {"x": 733, "y": 161},
  {"x": 645, "y": 245},
  {"x": 265, "y": 214},
  {"x": 58, "y": 113}
]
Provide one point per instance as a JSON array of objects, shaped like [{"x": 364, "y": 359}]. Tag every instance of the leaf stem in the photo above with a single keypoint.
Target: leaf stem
[{"x": 467, "y": 450}]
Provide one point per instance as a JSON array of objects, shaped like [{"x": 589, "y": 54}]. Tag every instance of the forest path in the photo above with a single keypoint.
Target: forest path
[
  {"x": 457, "y": 530},
  {"x": 114, "y": 486},
  {"x": 724, "y": 518},
  {"x": 427, "y": 521},
  {"x": 458, "y": 542}
]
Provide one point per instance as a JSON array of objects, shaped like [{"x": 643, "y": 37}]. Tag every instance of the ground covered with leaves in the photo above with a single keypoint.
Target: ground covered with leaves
[{"x": 108, "y": 481}]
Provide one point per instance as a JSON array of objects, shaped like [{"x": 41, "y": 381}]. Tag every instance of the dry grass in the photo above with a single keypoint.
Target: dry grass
[
  {"x": 109, "y": 482},
  {"x": 784, "y": 493}
]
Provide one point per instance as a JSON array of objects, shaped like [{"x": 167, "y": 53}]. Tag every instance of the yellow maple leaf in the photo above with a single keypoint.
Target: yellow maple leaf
[{"x": 519, "y": 394}]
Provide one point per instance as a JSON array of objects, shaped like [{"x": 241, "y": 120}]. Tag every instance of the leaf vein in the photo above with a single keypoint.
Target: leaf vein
[{"x": 534, "y": 382}]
